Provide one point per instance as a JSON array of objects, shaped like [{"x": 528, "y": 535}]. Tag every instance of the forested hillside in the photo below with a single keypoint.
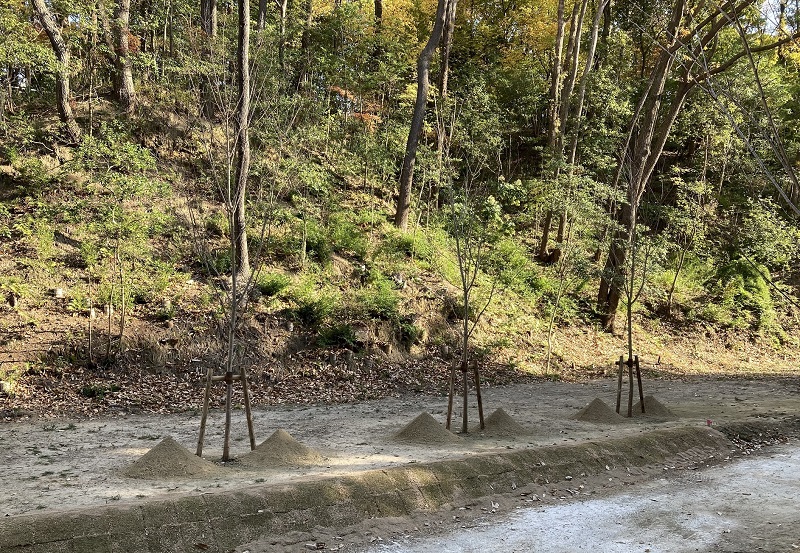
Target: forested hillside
[{"x": 348, "y": 198}]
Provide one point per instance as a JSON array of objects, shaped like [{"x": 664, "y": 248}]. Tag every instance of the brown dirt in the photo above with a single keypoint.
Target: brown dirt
[
  {"x": 598, "y": 411},
  {"x": 169, "y": 459},
  {"x": 425, "y": 430},
  {"x": 281, "y": 450},
  {"x": 502, "y": 424},
  {"x": 49, "y": 464},
  {"x": 653, "y": 408}
]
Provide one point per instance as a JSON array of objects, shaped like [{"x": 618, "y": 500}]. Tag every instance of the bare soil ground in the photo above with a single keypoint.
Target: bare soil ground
[{"x": 53, "y": 464}]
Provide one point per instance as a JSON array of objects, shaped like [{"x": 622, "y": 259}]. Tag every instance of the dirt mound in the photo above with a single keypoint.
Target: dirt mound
[
  {"x": 281, "y": 449},
  {"x": 653, "y": 408},
  {"x": 501, "y": 423},
  {"x": 425, "y": 430},
  {"x": 169, "y": 459},
  {"x": 598, "y": 411}
]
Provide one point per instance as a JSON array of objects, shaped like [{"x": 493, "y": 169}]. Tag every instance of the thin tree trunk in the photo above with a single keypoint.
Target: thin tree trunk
[
  {"x": 548, "y": 222},
  {"x": 409, "y": 160},
  {"x": 262, "y": 15},
  {"x": 208, "y": 22},
  {"x": 124, "y": 79},
  {"x": 283, "y": 6},
  {"x": 648, "y": 132},
  {"x": 681, "y": 260},
  {"x": 444, "y": 71},
  {"x": 62, "y": 76},
  {"x": 208, "y": 17},
  {"x": 554, "y": 111},
  {"x": 242, "y": 137},
  {"x": 446, "y": 46}
]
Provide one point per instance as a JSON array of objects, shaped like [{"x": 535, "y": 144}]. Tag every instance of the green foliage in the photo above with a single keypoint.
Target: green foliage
[
  {"x": 337, "y": 335},
  {"x": 765, "y": 237},
  {"x": 217, "y": 224},
  {"x": 415, "y": 244},
  {"x": 409, "y": 333},
  {"x": 346, "y": 237},
  {"x": 112, "y": 150},
  {"x": 272, "y": 284},
  {"x": 379, "y": 299},
  {"x": 318, "y": 245},
  {"x": 511, "y": 262},
  {"x": 742, "y": 298},
  {"x": 312, "y": 307}
]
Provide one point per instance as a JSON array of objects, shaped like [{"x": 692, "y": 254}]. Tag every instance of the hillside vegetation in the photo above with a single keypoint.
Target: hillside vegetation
[{"x": 118, "y": 254}]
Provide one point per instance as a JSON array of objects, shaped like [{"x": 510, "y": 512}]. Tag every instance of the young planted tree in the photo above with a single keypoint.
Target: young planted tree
[
  {"x": 471, "y": 220},
  {"x": 231, "y": 175}
]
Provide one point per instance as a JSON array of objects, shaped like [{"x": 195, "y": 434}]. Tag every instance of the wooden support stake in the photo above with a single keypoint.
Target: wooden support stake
[
  {"x": 465, "y": 393},
  {"x": 204, "y": 417},
  {"x": 630, "y": 387},
  {"x": 247, "y": 410},
  {"x": 639, "y": 380},
  {"x": 619, "y": 383},
  {"x": 227, "y": 442},
  {"x": 452, "y": 393},
  {"x": 224, "y": 378},
  {"x": 478, "y": 392}
]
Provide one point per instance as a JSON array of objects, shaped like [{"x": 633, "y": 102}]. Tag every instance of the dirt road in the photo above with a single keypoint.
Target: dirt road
[
  {"x": 747, "y": 505},
  {"x": 56, "y": 464}
]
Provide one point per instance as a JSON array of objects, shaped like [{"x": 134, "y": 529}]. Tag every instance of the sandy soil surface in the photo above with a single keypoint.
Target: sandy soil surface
[
  {"x": 715, "y": 509},
  {"x": 52, "y": 465}
]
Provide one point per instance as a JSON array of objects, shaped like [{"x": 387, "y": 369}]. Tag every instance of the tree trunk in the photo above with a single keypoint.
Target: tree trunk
[
  {"x": 62, "y": 77},
  {"x": 554, "y": 110},
  {"x": 283, "y": 6},
  {"x": 262, "y": 15},
  {"x": 241, "y": 264},
  {"x": 303, "y": 74},
  {"x": 548, "y": 222},
  {"x": 124, "y": 78},
  {"x": 208, "y": 22},
  {"x": 208, "y": 17},
  {"x": 650, "y": 125},
  {"x": 446, "y": 46},
  {"x": 444, "y": 72},
  {"x": 418, "y": 119}
]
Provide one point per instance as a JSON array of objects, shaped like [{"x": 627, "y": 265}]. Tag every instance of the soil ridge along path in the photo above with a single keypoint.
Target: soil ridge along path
[{"x": 217, "y": 522}]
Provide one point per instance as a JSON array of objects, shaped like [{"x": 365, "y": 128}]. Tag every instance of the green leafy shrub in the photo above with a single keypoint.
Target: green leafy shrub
[
  {"x": 312, "y": 308},
  {"x": 408, "y": 244},
  {"x": 318, "y": 244},
  {"x": 217, "y": 224},
  {"x": 346, "y": 237},
  {"x": 272, "y": 284},
  {"x": 743, "y": 297},
  {"x": 410, "y": 333},
  {"x": 338, "y": 335},
  {"x": 379, "y": 300}
]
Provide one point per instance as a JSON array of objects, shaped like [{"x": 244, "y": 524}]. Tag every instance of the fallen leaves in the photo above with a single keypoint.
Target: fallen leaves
[{"x": 308, "y": 379}]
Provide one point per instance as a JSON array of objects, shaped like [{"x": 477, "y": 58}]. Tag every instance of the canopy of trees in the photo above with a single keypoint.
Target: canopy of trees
[{"x": 613, "y": 151}]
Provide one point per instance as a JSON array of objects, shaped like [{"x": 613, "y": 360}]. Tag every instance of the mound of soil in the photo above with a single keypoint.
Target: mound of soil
[
  {"x": 598, "y": 411},
  {"x": 500, "y": 423},
  {"x": 281, "y": 450},
  {"x": 169, "y": 459},
  {"x": 425, "y": 430},
  {"x": 653, "y": 408}
]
